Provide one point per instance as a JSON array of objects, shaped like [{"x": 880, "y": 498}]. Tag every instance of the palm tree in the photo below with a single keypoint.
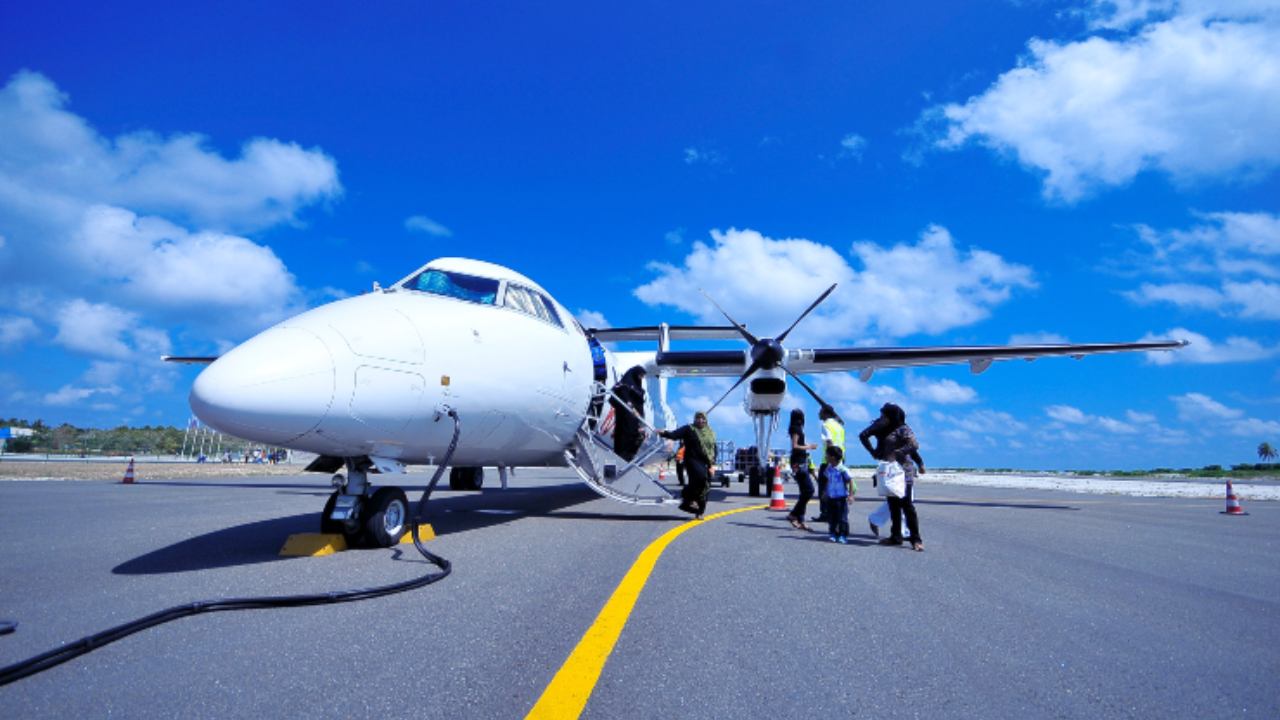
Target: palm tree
[{"x": 1266, "y": 452}]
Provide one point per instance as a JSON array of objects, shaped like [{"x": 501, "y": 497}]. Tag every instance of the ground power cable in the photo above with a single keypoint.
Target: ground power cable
[{"x": 53, "y": 658}]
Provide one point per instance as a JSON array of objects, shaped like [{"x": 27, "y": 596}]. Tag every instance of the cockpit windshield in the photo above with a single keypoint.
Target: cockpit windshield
[{"x": 455, "y": 285}]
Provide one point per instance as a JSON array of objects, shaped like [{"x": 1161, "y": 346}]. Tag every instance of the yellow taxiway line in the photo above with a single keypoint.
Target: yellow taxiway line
[{"x": 569, "y": 690}]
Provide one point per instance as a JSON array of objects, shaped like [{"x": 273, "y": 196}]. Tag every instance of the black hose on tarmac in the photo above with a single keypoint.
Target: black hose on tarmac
[{"x": 52, "y": 658}]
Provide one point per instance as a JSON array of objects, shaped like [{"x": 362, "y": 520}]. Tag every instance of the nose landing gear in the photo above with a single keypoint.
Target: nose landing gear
[{"x": 365, "y": 520}]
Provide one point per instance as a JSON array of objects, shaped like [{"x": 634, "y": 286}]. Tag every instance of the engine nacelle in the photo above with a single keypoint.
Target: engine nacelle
[{"x": 765, "y": 391}]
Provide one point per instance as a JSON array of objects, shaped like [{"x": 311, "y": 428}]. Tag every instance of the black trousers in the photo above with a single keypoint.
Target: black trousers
[
  {"x": 806, "y": 491},
  {"x": 904, "y": 506},
  {"x": 680, "y": 471},
  {"x": 695, "y": 493}
]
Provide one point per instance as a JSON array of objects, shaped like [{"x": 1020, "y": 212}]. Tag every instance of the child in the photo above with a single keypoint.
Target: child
[{"x": 840, "y": 491}]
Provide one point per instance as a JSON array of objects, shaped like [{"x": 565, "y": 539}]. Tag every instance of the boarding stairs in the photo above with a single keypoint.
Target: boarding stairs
[{"x": 591, "y": 455}]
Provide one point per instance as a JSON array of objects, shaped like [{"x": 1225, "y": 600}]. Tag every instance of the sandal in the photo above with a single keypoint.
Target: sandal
[
  {"x": 917, "y": 546},
  {"x": 794, "y": 522}
]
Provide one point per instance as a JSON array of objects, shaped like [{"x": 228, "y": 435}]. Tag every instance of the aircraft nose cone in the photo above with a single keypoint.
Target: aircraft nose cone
[{"x": 272, "y": 388}]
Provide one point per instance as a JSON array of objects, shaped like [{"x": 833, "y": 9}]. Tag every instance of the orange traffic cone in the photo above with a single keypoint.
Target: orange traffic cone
[
  {"x": 128, "y": 474},
  {"x": 1233, "y": 504},
  {"x": 777, "y": 501}
]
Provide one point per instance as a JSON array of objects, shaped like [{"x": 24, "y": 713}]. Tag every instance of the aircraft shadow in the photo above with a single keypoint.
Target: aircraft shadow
[{"x": 260, "y": 542}]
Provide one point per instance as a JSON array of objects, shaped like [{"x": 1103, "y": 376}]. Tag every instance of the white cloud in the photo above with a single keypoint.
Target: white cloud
[
  {"x": 674, "y": 237},
  {"x": 1255, "y": 299},
  {"x": 51, "y": 159},
  {"x": 1038, "y": 338},
  {"x": 886, "y": 294},
  {"x": 99, "y": 218},
  {"x": 1238, "y": 253},
  {"x": 591, "y": 319},
  {"x": 104, "y": 330},
  {"x": 701, "y": 156},
  {"x": 156, "y": 262},
  {"x": 1193, "y": 96},
  {"x": 942, "y": 392},
  {"x": 852, "y": 145},
  {"x": 1180, "y": 294},
  {"x": 16, "y": 330},
  {"x": 424, "y": 224},
  {"x": 1066, "y": 414},
  {"x": 1203, "y": 351},
  {"x": 69, "y": 395},
  {"x": 1211, "y": 416},
  {"x": 1197, "y": 407},
  {"x": 94, "y": 329}
]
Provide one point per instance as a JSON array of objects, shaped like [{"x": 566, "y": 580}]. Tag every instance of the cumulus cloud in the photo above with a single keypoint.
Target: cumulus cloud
[
  {"x": 103, "y": 218},
  {"x": 1192, "y": 93},
  {"x": 424, "y": 224},
  {"x": 16, "y": 330},
  {"x": 1203, "y": 351},
  {"x": 885, "y": 295},
  {"x": 1197, "y": 407},
  {"x": 1069, "y": 415},
  {"x": 591, "y": 319},
  {"x": 1211, "y": 416},
  {"x": 157, "y": 262},
  {"x": 1227, "y": 263},
  {"x": 70, "y": 395},
  {"x": 51, "y": 159},
  {"x": 941, "y": 392}
]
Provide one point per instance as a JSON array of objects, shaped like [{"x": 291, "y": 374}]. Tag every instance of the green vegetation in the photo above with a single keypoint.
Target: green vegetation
[{"x": 90, "y": 442}]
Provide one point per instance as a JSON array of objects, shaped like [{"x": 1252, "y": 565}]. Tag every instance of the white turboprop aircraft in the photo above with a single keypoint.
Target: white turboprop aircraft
[{"x": 362, "y": 382}]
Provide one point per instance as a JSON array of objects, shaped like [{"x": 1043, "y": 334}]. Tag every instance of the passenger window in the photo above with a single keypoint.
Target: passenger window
[{"x": 456, "y": 285}]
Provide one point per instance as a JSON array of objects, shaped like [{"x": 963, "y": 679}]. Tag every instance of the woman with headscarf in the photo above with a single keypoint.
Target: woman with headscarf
[
  {"x": 799, "y": 468},
  {"x": 627, "y": 435},
  {"x": 699, "y": 442},
  {"x": 898, "y": 443}
]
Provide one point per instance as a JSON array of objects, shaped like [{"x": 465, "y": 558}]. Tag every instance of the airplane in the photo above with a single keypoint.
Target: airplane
[{"x": 363, "y": 382}]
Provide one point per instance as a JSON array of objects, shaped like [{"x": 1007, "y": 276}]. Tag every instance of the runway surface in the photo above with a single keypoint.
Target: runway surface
[{"x": 1026, "y": 603}]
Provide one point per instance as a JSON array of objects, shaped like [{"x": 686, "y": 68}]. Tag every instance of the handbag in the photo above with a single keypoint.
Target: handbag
[{"x": 891, "y": 479}]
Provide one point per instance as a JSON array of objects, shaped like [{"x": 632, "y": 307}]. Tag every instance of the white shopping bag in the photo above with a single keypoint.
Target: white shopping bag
[{"x": 891, "y": 480}]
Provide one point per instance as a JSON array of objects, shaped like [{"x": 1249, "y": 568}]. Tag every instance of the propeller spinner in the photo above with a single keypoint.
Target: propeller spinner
[{"x": 768, "y": 353}]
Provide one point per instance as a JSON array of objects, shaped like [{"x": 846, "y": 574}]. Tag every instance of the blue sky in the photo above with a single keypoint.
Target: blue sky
[{"x": 177, "y": 179}]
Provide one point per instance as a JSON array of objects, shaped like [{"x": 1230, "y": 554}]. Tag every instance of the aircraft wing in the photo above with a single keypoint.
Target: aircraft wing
[
  {"x": 867, "y": 360},
  {"x": 189, "y": 359}
]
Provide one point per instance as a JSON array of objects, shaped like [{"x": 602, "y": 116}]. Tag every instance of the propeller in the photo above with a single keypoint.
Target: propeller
[{"x": 768, "y": 353}]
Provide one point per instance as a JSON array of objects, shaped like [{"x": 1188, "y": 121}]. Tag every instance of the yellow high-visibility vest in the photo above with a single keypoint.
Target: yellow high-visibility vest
[{"x": 835, "y": 432}]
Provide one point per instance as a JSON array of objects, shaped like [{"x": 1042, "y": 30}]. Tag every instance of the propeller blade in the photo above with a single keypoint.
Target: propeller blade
[
  {"x": 751, "y": 369},
  {"x": 737, "y": 325},
  {"x": 805, "y": 385},
  {"x": 815, "y": 304}
]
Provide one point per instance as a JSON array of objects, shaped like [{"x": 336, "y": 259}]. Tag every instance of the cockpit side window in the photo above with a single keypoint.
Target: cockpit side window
[
  {"x": 531, "y": 302},
  {"x": 455, "y": 285}
]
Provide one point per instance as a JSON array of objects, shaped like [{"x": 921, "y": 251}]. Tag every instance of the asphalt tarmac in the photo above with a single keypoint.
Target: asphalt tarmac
[{"x": 1025, "y": 604}]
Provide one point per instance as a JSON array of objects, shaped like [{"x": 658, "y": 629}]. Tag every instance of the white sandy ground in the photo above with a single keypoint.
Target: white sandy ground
[
  {"x": 1174, "y": 486},
  {"x": 1102, "y": 485}
]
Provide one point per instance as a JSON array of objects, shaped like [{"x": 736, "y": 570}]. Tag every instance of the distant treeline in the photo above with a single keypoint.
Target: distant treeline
[{"x": 68, "y": 439}]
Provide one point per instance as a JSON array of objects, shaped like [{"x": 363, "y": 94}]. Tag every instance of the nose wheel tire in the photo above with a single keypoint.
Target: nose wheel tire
[{"x": 386, "y": 517}]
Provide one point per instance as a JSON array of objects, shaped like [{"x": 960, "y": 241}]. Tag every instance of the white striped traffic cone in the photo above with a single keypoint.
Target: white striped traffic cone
[
  {"x": 128, "y": 474},
  {"x": 777, "y": 501},
  {"x": 1233, "y": 504}
]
